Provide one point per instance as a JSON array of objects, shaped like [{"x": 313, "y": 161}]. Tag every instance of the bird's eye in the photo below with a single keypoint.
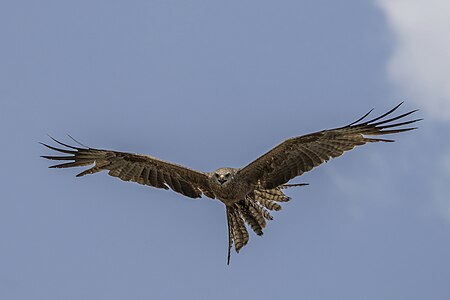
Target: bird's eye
[
  {"x": 227, "y": 175},
  {"x": 217, "y": 175}
]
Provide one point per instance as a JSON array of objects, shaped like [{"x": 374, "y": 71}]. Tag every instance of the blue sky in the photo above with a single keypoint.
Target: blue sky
[{"x": 209, "y": 84}]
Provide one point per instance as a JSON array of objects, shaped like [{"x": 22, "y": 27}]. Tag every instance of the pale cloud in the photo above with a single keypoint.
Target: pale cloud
[
  {"x": 420, "y": 63},
  {"x": 357, "y": 189}
]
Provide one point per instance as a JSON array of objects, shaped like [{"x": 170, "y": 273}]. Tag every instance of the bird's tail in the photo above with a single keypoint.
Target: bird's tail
[
  {"x": 253, "y": 211},
  {"x": 237, "y": 232}
]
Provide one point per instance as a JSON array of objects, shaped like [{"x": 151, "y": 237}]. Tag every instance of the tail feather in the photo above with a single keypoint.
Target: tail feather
[
  {"x": 253, "y": 211},
  {"x": 230, "y": 235},
  {"x": 237, "y": 232}
]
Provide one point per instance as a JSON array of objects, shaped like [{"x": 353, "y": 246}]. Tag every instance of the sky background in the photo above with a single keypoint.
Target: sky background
[{"x": 209, "y": 84}]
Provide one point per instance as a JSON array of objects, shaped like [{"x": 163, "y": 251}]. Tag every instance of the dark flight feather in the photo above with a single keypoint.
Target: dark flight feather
[{"x": 297, "y": 155}]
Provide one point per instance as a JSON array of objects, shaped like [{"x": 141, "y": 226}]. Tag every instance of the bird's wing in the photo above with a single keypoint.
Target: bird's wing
[
  {"x": 297, "y": 155},
  {"x": 139, "y": 168}
]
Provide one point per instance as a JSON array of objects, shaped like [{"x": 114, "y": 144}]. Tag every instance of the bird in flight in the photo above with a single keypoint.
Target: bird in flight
[{"x": 249, "y": 193}]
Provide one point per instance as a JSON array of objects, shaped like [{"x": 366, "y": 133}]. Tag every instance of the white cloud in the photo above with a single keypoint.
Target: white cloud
[{"x": 420, "y": 64}]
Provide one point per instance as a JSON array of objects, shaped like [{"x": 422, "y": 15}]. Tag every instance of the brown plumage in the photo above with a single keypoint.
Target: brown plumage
[{"x": 249, "y": 193}]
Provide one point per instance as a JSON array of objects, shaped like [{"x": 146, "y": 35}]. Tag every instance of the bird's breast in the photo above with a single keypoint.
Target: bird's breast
[{"x": 231, "y": 193}]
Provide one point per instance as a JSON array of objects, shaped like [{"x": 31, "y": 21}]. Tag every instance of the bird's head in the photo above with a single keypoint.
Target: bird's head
[{"x": 223, "y": 176}]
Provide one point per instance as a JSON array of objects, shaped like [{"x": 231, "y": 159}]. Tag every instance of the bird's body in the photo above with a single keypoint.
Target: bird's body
[
  {"x": 225, "y": 186},
  {"x": 249, "y": 193}
]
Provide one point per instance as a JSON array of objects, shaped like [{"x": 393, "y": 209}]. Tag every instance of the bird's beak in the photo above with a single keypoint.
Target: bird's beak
[{"x": 222, "y": 180}]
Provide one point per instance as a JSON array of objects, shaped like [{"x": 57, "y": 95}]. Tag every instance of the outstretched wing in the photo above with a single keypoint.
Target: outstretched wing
[
  {"x": 297, "y": 155},
  {"x": 139, "y": 168}
]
